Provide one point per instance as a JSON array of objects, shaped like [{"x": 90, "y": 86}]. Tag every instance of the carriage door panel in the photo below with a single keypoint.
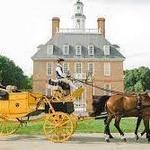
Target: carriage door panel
[
  {"x": 18, "y": 106},
  {"x": 18, "y": 103}
]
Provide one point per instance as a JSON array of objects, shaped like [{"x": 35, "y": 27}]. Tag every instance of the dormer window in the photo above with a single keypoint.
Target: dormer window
[
  {"x": 50, "y": 49},
  {"x": 91, "y": 50},
  {"x": 66, "y": 49},
  {"x": 106, "y": 49},
  {"x": 78, "y": 50}
]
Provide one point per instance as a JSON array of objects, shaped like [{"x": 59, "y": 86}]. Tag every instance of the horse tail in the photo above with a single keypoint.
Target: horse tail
[{"x": 103, "y": 101}]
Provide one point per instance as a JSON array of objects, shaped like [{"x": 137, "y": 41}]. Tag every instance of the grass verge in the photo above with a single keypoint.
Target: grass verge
[{"x": 85, "y": 126}]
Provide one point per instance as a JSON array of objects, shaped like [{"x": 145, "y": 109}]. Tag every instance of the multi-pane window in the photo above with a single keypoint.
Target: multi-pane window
[
  {"x": 50, "y": 49},
  {"x": 78, "y": 50},
  {"x": 91, "y": 50},
  {"x": 49, "y": 69},
  {"x": 66, "y": 49},
  {"x": 107, "y": 87},
  {"x": 66, "y": 67},
  {"x": 106, "y": 49},
  {"x": 107, "y": 69},
  {"x": 78, "y": 68},
  {"x": 91, "y": 68}
]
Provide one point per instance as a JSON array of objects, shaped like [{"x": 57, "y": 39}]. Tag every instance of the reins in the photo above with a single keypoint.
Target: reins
[{"x": 98, "y": 87}]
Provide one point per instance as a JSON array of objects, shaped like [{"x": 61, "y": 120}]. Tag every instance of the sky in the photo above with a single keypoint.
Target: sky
[{"x": 25, "y": 24}]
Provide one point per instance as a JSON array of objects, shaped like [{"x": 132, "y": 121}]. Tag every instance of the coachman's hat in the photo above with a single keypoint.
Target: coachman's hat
[{"x": 60, "y": 59}]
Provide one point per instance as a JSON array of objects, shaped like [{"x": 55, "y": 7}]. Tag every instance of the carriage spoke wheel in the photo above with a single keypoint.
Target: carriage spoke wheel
[
  {"x": 8, "y": 127},
  {"x": 58, "y": 127},
  {"x": 74, "y": 119}
]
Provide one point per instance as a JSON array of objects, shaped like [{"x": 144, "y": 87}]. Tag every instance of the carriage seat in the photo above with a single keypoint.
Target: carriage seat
[{"x": 60, "y": 86}]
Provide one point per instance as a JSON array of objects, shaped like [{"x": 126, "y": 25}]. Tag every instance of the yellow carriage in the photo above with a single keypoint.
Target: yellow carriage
[{"x": 60, "y": 122}]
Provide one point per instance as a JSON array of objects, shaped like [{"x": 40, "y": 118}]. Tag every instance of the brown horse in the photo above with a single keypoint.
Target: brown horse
[{"x": 126, "y": 105}]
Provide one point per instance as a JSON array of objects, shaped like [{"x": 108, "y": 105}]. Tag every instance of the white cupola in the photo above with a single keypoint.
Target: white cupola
[{"x": 78, "y": 16}]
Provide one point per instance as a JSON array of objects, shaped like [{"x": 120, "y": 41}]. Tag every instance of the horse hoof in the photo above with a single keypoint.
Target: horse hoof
[
  {"x": 124, "y": 139},
  {"x": 137, "y": 137},
  {"x": 107, "y": 140}
]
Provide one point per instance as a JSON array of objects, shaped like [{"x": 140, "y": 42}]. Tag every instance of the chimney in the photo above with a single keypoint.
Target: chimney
[
  {"x": 101, "y": 25},
  {"x": 55, "y": 25}
]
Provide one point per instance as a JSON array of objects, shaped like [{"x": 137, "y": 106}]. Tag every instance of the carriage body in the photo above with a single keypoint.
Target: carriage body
[
  {"x": 17, "y": 105},
  {"x": 60, "y": 123}
]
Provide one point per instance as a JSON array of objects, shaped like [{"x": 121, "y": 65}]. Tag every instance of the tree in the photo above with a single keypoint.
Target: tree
[
  {"x": 10, "y": 74},
  {"x": 137, "y": 80}
]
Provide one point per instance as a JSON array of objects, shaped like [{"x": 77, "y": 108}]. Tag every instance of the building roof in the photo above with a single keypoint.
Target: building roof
[{"x": 73, "y": 39}]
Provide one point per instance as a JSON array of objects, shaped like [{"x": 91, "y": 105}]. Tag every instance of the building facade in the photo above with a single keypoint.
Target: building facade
[{"x": 86, "y": 51}]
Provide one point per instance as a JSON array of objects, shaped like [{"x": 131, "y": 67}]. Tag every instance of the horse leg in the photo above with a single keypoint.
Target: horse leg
[
  {"x": 117, "y": 125},
  {"x": 146, "y": 124},
  {"x": 143, "y": 132},
  {"x": 105, "y": 122},
  {"x": 137, "y": 126},
  {"x": 107, "y": 129}
]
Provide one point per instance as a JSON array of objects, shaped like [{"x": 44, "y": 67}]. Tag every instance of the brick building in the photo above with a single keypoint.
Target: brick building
[{"x": 84, "y": 50}]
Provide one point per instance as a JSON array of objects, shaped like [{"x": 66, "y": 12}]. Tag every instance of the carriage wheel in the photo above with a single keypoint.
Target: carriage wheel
[
  {"x": 58, "y": 127},
  {"x": 74, "y": 119},
  {"x": 8, "y": 127}
]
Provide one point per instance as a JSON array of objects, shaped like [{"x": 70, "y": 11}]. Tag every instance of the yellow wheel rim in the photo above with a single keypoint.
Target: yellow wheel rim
[
  {"x": 74, "y": 119},
  {"x": 8, "y": 127},
  {"x": 58, "y": 127}
]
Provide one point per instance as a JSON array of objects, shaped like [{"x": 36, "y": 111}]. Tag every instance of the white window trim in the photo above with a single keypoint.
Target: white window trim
[
  {"x": 110, "y": 86},
  {"x": 106, "y": 49},
  {"x": 93, "y": 67},
  {"x": 89, "y": 50},
  {"x": 50, "y": 49},
  {"x": 107, "y": 69},
  {"x": 67, "y": 66},
  {"x": 78, "y": 54},
  {"x": 76, "y": 67},
  {"x": 47, "y": 67},
  {"x": 64, "y": 50}
]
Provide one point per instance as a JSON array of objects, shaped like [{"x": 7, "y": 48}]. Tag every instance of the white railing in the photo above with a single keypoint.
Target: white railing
[{"x": 74, "y": 30}]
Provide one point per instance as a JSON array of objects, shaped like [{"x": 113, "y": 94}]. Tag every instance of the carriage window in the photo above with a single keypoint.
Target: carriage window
[
  {"x": 107, "y": 69},
  {"x": 49, "y": 69},
  {"x": 4, "y": 95},
  {"x": 66, "y": 67}
]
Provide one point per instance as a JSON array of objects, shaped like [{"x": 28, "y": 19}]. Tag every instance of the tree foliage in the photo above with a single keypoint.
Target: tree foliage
[
  {"x": 10, "y": 74},
  {"x": 137, "y": 80}
]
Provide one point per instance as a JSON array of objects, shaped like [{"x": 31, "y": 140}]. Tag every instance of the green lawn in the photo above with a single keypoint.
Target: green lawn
[{"x": 85, "y": 126}]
